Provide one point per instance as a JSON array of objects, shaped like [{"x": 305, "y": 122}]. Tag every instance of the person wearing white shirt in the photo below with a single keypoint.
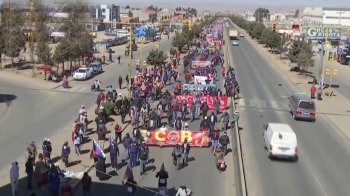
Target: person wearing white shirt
[
  {"x": 163, "y": 128},
  {"x": 14, "y": 176}
]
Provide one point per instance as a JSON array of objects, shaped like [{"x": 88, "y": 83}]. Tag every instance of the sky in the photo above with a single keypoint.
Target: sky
[{"x": 224, "y": 5}]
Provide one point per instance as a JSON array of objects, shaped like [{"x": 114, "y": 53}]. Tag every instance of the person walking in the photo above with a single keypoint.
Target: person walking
[{"x": 14, "y": 176}]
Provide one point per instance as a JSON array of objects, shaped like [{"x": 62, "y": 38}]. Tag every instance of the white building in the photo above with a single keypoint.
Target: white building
[
  {"x": 277, "y": 17},
  {"x": 336, "y": 16},
  {"x": 326, "y": 15}
]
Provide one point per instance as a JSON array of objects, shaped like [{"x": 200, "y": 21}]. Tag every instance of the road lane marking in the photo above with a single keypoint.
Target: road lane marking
[
  {"x": 274, "y": 104},
  {"x": 241, "y": 102},
  {"x": 319, "y": 184}
]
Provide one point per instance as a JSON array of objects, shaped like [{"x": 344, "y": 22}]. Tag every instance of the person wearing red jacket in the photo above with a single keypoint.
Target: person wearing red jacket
[
  {"x": 313, "y": 91},
  {"x": 118, "y": 133}
]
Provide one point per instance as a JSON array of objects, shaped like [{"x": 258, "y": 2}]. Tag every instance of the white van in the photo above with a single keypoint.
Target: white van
[
  {"x": 280, "y": 141},
  {"x": 123, "y": 33}
]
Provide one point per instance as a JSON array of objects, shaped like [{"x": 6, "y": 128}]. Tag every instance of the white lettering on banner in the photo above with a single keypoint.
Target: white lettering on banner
[{"x": 200, "y": 79}]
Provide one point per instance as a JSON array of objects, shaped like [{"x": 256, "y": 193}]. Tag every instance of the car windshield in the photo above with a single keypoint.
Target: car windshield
[
  {"x": 307, "y": 105},
  {"x": 81, "y": 71}
]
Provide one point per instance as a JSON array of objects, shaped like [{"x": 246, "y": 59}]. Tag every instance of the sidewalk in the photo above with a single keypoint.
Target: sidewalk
[
  {"x": 335, "y": 109},
  {"x": 77, "y": 164}
]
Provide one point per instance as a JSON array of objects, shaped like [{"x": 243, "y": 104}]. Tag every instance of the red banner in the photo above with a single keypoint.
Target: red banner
[
  {"x": 171, "y": 138},
  {"x": 210, "y": 100}
]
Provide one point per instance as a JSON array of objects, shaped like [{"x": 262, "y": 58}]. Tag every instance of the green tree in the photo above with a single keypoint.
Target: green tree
[
  {"x": 172, "y": 52},
  {"x": 296, "y": 48},
  {"x": 75, "y": 30},
  {"x": 296, "y": 13},
  {"x": 196, "y": 30},
  {"x": 12, "y": 20},
  {"x": 257, "y": 31},
  {"x": 274, "y": 41},
  {"x": 261, "y": 13},
  {"x": 61, "y": 54},
  {"x": 130, "y": 14},
  {"x": 304, "y": 61},
  {"x": 265, "y": 36},
  {"x": 156, "y": 57},
  {"x": 179, "y": 41},
  {"x": 43, "y": 50},
  {"x": 127, "y": 7}
]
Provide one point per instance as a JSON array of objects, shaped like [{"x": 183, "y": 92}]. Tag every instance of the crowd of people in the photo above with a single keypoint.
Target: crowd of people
[{"x": 152, "y": 98}]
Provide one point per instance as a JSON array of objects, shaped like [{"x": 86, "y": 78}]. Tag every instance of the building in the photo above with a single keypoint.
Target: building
[
  {"x": 105, "y": 13},
  {"x": 336, "y": 16},
  {"x": 142, "y": 15},
  {"x": 326, "y": 15},
  {"x": 165, "y": 15},
  {"x": 277, "y": 17},
  {"x": 312, "y": 15}
]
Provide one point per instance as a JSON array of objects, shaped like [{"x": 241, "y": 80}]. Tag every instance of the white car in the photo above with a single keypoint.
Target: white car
[
  {"x": 241, "y": 35},
  {"x": 83, "y": 73},
  {"x": 96, "y": 67},
  {"x": 235, "y": 43}
]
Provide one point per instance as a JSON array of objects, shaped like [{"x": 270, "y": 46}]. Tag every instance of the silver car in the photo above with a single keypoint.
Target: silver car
[{"x": 235, "y": 43}]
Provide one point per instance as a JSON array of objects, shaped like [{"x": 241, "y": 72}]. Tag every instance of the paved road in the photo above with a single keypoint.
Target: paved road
[
  {"x": 200, "y": 175},
  {"x": 37, "y": 114},
  {"x": 323, "y": 154}
]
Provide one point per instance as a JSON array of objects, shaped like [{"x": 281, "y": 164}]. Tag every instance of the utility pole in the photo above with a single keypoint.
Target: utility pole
[{"x": 340, "y": 13}]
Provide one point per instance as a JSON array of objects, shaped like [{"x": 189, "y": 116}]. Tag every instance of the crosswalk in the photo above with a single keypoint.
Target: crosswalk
[
  {"x": 261, "y": 105},
  {"x": 75, "y": 89}
]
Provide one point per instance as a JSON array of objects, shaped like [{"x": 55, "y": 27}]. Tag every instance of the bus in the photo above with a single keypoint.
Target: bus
[{"x": 123, "y": 33}]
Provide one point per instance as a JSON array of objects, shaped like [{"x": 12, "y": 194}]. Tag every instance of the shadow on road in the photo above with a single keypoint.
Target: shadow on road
[
  {"x": 110, "y": 190},
  {"x": 5, "y": 98}
]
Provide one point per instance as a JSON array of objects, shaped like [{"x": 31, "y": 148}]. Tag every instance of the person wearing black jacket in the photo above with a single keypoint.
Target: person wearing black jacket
[
  {"x": 123, "y": 113},
  {"x": 185, "y": 150},
  {"x": 224, "y": 140},
  {"x": 162, "y": 176}
]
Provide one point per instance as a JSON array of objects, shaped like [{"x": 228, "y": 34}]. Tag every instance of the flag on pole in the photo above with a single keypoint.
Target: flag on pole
[
  {"x": 128, "y": 174},
  {"x": 97, "y": 150},
  {"x": 110, "y": 139}
]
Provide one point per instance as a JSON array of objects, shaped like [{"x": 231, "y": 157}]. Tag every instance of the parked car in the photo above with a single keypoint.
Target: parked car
[
  {"x": 235, "y": 43},
  {"x": 83, "y": 73},
  {"x": 96, "y": 67}
]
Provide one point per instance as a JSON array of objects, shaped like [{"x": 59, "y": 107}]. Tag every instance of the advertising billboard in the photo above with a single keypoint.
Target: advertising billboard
[{"x": 323, "y": 31}]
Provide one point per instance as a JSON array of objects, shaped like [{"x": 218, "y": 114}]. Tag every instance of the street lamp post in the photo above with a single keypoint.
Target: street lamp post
[{"x": 340, "y": 13}]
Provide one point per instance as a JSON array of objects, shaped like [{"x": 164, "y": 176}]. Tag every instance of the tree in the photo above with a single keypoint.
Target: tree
[
  {"x": 61, "y": 53},
  {"x": 130, "y": 14},
  {"x": 179, "y": 41},
  {"x": 172, "y": 52},
  {"x": 265, "y": 36},
  {"x": 75, "y": 30},
  {"x": 196, "y": 30},
  {"x": 296, "y": 48},
  {"x": 296, "y": 13},
  {"x": 43, "y": 50},
  {"x": 192, "y": 11},
  {"x": 274, "y": 41},
  {"x": 304, "y": 61},
  {"x": 261, "y": 13},
  {"x": 156, "y": 57},
  {"x": 258, "y": 29},
  {"x": 12, "y": 20},
  {"x": 127, "y": 7}
]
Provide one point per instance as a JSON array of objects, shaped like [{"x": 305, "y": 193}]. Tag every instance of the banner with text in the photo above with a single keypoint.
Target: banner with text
[
  {"x": 210, "y": 100},
  {"x": 171, "y": 138},
  {"x": 200, "y": 79},
  {"x": 199, "y": 88},
  {"x": 200, "y": 64}
]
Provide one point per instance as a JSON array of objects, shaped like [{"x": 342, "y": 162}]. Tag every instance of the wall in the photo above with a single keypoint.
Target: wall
[{"x": 337, "y": 17}]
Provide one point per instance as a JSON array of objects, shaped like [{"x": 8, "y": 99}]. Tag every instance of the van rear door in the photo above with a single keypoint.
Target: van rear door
[{"x": 284, "y": 143}]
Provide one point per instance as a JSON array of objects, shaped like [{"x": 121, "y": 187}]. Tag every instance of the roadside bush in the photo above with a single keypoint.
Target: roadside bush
[{"x": 108, "y": 108}]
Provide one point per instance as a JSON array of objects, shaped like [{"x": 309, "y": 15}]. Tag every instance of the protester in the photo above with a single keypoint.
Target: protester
[{"x": 14, "y": 176}]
